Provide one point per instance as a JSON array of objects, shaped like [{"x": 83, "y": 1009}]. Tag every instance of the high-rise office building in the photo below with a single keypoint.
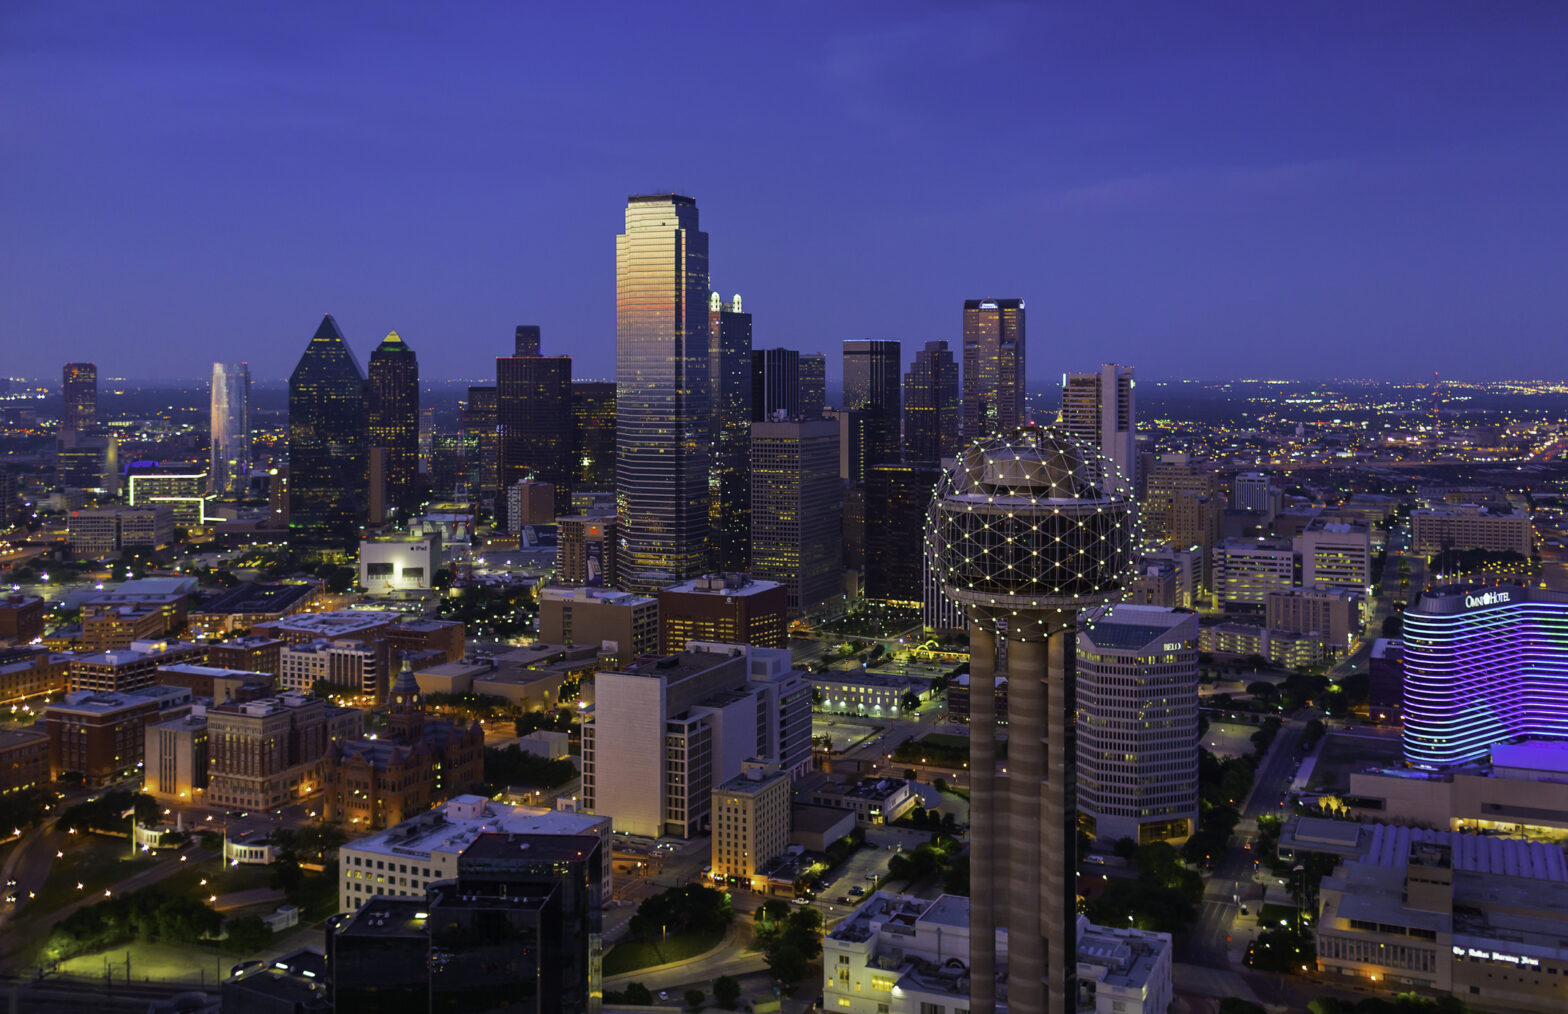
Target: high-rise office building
[
  {"x": 993, "y": 366},
  {"x": 79, "y": 391},
  {"x": 230, "y": 429},
  {"x": 795, "y": 509},
  {"x": 1098, "y": 408},
  {"x": 1255, "y": 491},
  {"x": 1138, "y": 724},
  {"x": 665, "y": 731},
  {"x": 1024, "y": 541},
  {"x": 873, "y": 375},
  {"x": 327, "y": 449},
  {"x": 813, "y": 384},
  {"x": 482, "y": 445},
  {"x": 392, "y": 415},
  {"x": 775, "y": 385},
  {"x": 1167, "y": 476},
  {"x": 730, "y": 381},
  {"x": 933, "y": 413},
  {"x": 534, "y": 414},
  {"x": 661, "y": 395},
  {"x": 895, "y": 530},
  {"x": 593, "y": 434}
]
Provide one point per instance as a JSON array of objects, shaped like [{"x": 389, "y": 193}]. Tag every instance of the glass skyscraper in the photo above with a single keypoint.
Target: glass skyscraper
[
  {"x": 593, "y": 434},
  {"x": 873, "y": 375},
  {"x": 79, "y": 389},
  {"x": 392, "y": 405},
  {"x": 230, "y": 427},
  {"x": 933, "y": 424},
  {"x": 534, "y": 415},
  {"x": 993, "y": 366},
  {"x": 730, "y": 376},
  {"x": 661, "y": 397},
  {"x": 327, "y": 445}
]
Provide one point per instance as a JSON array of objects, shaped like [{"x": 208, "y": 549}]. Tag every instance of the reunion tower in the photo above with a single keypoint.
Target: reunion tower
[{"x": 1025, "y": 539}]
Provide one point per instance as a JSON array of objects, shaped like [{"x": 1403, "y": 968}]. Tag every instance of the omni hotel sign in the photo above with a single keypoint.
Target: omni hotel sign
[
  {"x": 1512, "y": 959},
  {"x": 1491, "y": 598}
]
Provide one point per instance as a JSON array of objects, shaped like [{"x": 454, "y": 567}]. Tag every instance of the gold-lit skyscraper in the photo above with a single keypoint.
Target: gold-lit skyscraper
[
  {"x": 79, "y": 389},
  {"x": 993, "y": 366},
  {"x": 661, "y": 397}
]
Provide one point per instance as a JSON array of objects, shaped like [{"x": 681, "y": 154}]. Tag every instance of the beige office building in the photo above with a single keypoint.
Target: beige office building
[
  {"x": 1465, "y": 526},
  {"x": 751, "y": 814},
  {"x": 267, "y": 753},
  {"x": 175, "y": 760},
  {"x": 621, "y": 624}
]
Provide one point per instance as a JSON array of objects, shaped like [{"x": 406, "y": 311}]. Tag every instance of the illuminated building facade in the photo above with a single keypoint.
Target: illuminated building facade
[
  {"x": 179, "y": 485},
  {"x": 661, "y": 395},
  {"x": 796, "y": 537},
  {"x": 1138, "y": 724},
  {"x": 79, "y": 390},
  {"x": 230, "y": 429},
  {"x": 593, "y": 434},
  {"x": 392, "y": 408},
  {"x": 1099, "y": 409},
  {"x": 993, "y": 366},
  {"x": 813, "y": 384},
  {"x": 327, "y": 446},
  {"x": 730, "y": 380},
  {"x": 933, "y": 413},
  {"x": 480, "y": 448},
  {"x": 1483, "y": 665}
]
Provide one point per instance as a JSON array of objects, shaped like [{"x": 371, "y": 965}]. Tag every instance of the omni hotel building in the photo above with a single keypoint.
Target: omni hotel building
[
  {"x": 1483, "y": 665},
  {"x": 1138, "y": 724}
]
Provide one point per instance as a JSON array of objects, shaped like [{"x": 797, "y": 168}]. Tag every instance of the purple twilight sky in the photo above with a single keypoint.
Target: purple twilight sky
[{"x": 1202, "y": 190}]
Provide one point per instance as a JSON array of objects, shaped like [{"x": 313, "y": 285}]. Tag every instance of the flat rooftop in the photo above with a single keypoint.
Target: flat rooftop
[
  {"x": 679, "y": 666},
  {"x": 438, "y": 832},
  {"x": 382, "y": 916},
  {"x": 259, "y": 598},
  {"x": 545, "y": 848},
  {"x": 729, "y": 585},
  {"x": 344, "y": 621}
]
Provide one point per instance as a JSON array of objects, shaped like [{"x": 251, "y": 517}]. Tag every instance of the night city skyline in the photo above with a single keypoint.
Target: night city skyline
[{"x": 1210, "y": 194}]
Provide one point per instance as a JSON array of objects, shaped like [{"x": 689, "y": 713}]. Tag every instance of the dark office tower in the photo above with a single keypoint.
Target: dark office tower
[
  {"x": 993, "y": 366},
  {"x": 392, "y": 406},
  {"x": 79, "y": 389},
  {"x": 593, "y": 434},
  {"x": 327, "y": 449},
  {"x": 729, "y": 484},
  {"x": 933, "y": 418},
  {"x": 895, "y": 530},
  {"x": 534, "y": 411},
  {"x": 661, "y": 397},
  {"x": 775, "y": 385},
  {"x": 229, "y": 460},
  {"x": 482, "y": 441},
  {"x": 795, "y": 509},
  {"x": 813, "y": 384},
  {"x": 871, "y": 385}
]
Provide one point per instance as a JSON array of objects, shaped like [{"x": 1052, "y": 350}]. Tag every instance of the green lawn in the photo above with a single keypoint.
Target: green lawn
[
  {"x": 632, "y": 955},
  {"x": 94, "y": 861},
  {"x": 220, "y": 879},
  {"x": 1271, "y": 915}
]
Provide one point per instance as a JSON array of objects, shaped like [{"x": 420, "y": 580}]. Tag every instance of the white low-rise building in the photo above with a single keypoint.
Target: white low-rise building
[
  {"x": 898, "y": 954},
  {"x": 404, "y": 563},
  {"x": 405, "y": 859}
]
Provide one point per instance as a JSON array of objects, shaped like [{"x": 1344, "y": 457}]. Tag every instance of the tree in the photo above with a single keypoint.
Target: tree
[
  {"x": 726, "y": 991},
  {"x": 909, "y": 775},
  {"x": 248, "y": 934},
  {"x": 637, "y": 993},
  {"x": 785, "y": 961},
  {"x": 694, "y": 998},
  {"x": 1125, "y": 847},
  {"x": 910, "y": 701}
]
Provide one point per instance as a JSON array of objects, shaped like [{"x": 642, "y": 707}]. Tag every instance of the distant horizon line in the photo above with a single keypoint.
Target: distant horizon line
[{"x": 51, "y": 383}]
